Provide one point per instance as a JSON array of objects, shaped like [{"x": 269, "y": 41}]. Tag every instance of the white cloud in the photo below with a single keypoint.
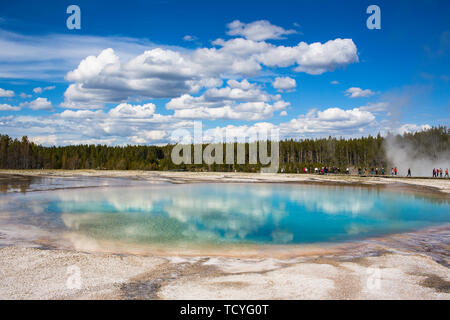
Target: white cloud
[
  {"x": 40, "y": 89},
  {"x": 375, "y": 107},
  {"x": 25, "y": 96},
  {"x": 284, "y": 83},
  {"x": 50, "y": 56},
  {"x": 93, "y": 65},
  {"x": 137, "y": 69},
  {"x": 334, "y": 82},
  {"x": 6, "y": 93},
  {"x": 204, "y": 83},
  {"x": 7, "y": 107},
  {"x": 241, "y": 47},
  {"x": 123, "y": 124},
  {"x": 49, "y": 140},
  {"x": 81, "y": 114},
  {"x": 240, "y": 100},
  {"x": 355, "y": 92},
  {"x": 315, "y": 58},
  {"x": 257, "y": 30},
  {"x": 245, "y": 133},
  {"x": 166, "y": 73},
  {"x": 156, "y": 73},
  {"x": 249, "y": 111},
  {"x": 189, "y": 38},
  {"x": 244, "y": 84},
  {"x": 330, "y": 121},
  {"x": 149, "y": 135},
  {"x": 411, "y": 128},
  {"x": 38, "y": 104},
  {"x": 77, "y": 97},
  {"x": 131, "y": 124},
  {"x": 126, "y": 110}
]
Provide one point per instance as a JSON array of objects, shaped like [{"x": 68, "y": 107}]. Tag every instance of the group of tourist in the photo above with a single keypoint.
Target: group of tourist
[
  {"x": 439, "y": 173},
  {"x": 374, "y": 171}
]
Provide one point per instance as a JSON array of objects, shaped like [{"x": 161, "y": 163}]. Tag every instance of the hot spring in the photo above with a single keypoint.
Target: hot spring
[{"x": 221, "y": 214}]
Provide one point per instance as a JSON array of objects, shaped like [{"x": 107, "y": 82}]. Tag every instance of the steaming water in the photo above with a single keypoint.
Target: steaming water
[{"x": 213, "y": 214}]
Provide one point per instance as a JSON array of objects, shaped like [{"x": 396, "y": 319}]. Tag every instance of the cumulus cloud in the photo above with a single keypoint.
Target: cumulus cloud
[
  {"x": 411, "y": 128},
  {"x": 204, "y": 83},
  {"x": 257, "y": 30},
  {"x": 38, "y": 104},
  {"x": 6, "y": 93},
  {"x": 81, "y": 114},
  {"x": 131, "y": 124},
  {"x": 49, "y": 140},
  {"x": 138, "y": 69},
  {"x": 315, "y": 58},
  {"x": 156, "y": 73},
  {"x": 149, "y": 135},
  {"x": 23, "y": 95},
  {"x": 244, "y": 133},
  {"x": 129, "y": 111},
  {"x": 168, "y": 73},
  {"x": 189, "y": 38},
  {"x": 7, "y": 107},
  {"x": 40, "y": 89},
  {"x": 122, "y": 124},
  {"x": 249, "y": 111},
  {"x": 355, "y": 92},
  {"x": 239, "y": 100},
  {"x": 329, "y": 121},
  {"x": 284, "y": 83}
]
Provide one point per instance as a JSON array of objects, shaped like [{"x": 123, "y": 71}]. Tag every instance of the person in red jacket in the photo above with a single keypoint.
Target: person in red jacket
[{"x": 395, "y": 170}]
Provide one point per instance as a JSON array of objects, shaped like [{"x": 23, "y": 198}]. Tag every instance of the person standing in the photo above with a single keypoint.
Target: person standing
[
  {"x": 440, "y": 170},
  {"x": 395, "y": 170},
  {"x": 434, "y": 172},
  {"x": 446, "y": 173},
  {"x": 409, "y": 172}
]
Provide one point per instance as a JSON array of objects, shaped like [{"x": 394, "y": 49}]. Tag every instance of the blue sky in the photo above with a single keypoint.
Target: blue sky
[{"x": 137, "y": 71}]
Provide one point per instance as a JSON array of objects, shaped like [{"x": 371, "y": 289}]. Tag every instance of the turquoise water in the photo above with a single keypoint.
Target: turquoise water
[{"x": 226, "y": 213}]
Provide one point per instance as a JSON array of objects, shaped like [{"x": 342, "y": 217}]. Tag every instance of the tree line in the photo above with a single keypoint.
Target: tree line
[{"x": 335, "y": 153}]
